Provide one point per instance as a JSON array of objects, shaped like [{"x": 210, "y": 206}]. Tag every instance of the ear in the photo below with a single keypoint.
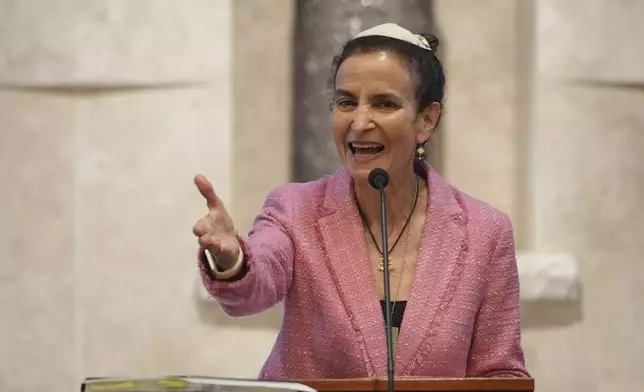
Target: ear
[{"x": 427, "y": 121}]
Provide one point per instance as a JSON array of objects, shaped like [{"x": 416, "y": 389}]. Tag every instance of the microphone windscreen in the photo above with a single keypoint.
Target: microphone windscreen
[{"x": 379, "y": 178}]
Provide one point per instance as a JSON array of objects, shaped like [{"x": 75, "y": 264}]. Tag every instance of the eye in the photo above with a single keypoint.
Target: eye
[
  {"x": 386, "y": 105},
  {"x": 344, "y": 103}
]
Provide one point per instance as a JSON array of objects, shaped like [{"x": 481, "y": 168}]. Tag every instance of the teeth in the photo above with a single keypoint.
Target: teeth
[
  {"x": 365, "y": 148},
  {"x": 366, "y": 145}
]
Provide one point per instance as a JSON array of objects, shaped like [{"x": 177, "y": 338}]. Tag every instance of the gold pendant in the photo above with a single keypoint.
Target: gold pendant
[{"x": 381, "y": 264}]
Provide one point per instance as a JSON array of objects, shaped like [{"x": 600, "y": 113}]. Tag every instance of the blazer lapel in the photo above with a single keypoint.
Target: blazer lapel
[
  {"x": 348, "y": 261},
  {"x": 439, "y": 265}
]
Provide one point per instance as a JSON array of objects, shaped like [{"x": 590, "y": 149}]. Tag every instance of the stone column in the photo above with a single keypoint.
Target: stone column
[
  {"x": 587, "y": 176},
  {"x": 322, "y": 27}
]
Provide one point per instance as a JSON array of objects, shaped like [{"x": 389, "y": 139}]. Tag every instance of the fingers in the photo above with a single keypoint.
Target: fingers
[
  {"x": 203, "y": 231},
  {"x": 210, "y": 242},
  {"x": 202, "y": 227},
  {"x": 215, "y": 245},
  {"x": 207, "y": 191},
  {"x": 208, "y": 236},
  {"x": 215, "y": 232}
]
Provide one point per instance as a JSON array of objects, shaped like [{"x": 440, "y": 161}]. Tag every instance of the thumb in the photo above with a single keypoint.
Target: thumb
[{"x": 206, "y": 190}]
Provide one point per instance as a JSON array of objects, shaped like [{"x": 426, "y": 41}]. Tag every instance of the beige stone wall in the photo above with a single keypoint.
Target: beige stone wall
[
  {"x": 37, "y": 296},
  {"x": 587, "y": 175},
  {"x": 109, "y": 108},
  {"x": 262, "y": 90},
  {"x": 480, "y": 130}
]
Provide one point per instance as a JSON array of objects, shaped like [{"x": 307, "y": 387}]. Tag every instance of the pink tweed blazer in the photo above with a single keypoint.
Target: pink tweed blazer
[{"x": 307, "y": 248}]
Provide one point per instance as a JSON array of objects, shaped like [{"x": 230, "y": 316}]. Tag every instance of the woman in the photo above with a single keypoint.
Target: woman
[{"x": 316, "y": 246}]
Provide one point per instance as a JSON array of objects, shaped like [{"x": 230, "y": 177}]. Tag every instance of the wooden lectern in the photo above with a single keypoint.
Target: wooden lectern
[{"x": 422, "y": 384}]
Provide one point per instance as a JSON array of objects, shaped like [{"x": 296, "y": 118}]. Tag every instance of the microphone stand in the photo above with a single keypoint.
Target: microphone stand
[
  {"x": 379, "y": 179},
  {"x": 385, "y": 255}
]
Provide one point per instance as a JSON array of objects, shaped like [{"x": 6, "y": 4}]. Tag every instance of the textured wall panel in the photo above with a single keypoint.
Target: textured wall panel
[
  {"x": 37, "y": 234},
  {"x": 480, "y": 125},
  {"x": 589, "y": 199},
  {"x": 110, "y": 42},
  {"x": 602, "y": 43},
  {"x": 135, "y": 212},
  {"x": 262, "y": 91}
]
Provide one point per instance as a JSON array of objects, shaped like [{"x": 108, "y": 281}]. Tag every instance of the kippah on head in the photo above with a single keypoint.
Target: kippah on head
[{"x": 394, "y": 31}]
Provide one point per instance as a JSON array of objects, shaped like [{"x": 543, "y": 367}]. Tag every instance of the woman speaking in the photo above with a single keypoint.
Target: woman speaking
[{"x": 317, "y": 245}]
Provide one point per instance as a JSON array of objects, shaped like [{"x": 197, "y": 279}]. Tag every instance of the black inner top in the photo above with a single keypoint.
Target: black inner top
[{"x": 397, "y": 316}]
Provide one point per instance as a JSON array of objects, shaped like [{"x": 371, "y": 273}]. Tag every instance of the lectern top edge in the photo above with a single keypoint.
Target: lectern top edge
[{"x": 422, "y": 384}]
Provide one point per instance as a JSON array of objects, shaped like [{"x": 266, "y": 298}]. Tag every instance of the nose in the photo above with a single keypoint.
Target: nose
[{"x": 361, "y": 119}]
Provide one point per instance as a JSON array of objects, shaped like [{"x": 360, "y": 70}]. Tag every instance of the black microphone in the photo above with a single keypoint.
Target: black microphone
[{"x": 379, "y": 179}]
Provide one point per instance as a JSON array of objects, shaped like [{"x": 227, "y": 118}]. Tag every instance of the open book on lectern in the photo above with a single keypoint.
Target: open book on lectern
[{"x": 189, "y": 384}]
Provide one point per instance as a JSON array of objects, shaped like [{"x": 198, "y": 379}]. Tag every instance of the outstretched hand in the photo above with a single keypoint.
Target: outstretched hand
[{"x": 216, "y": 231}]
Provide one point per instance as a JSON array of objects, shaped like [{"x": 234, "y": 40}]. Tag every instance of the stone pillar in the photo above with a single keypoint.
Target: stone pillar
[
  {"x": 587, "y": 176},
  {"x": 322, "y": 27}
]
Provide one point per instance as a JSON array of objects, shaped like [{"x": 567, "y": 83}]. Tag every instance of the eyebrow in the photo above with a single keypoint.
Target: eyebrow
[
  {"x": 388, "y": 96},
  {"x": 343, "y": 93}
]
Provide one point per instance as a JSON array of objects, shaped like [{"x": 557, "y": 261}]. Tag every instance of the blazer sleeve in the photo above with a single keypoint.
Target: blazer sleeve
[
  {"x": 496, "y": 343},
  {"x": 268, "y": 261}
]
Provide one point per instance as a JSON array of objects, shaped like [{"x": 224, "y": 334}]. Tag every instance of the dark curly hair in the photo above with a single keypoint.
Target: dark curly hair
[{"x": 426, "y": 69}]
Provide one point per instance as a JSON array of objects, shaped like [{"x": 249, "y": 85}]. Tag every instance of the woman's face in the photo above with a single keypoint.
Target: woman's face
[{"x": 375, "y": 118}]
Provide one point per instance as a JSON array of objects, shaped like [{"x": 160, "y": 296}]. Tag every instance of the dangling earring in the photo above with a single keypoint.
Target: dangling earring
[{"x": 420, "y": 151}]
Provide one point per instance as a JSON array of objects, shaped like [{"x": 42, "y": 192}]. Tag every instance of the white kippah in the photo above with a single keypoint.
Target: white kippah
[{"x": 394, "y": 31}]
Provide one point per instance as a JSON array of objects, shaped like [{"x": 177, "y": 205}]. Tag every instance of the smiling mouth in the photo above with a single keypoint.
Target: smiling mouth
[{"x": 366, "y": 149}]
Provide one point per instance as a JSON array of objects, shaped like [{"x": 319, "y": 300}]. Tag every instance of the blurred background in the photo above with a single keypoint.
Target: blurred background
[{"x": 108, "y": 108}]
